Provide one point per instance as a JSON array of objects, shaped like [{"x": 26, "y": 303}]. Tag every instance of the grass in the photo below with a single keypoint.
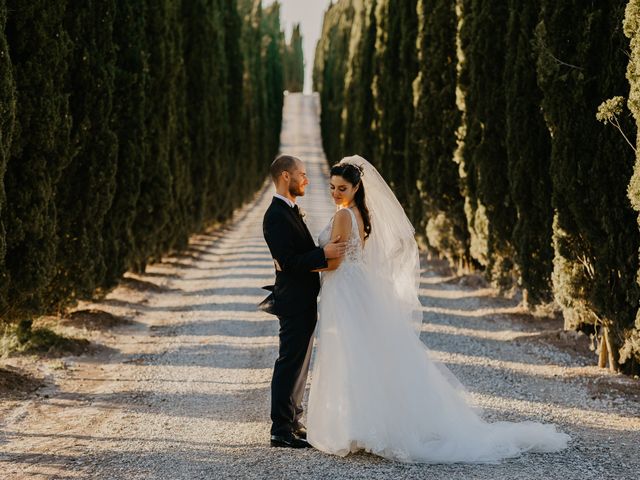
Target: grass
[{"x": 23, "y": 338}]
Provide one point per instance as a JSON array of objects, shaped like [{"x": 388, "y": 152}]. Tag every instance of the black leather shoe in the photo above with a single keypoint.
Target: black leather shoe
[
  {"x": 300, "y": 431},
  {"x": 288, "y": 440}
]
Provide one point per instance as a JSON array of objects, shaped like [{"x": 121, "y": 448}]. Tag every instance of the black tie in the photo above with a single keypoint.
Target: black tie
[{"x": 297, "y": 210}]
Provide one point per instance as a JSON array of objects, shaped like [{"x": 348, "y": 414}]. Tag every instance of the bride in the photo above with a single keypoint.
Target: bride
[{"x": 374, "y": 384}]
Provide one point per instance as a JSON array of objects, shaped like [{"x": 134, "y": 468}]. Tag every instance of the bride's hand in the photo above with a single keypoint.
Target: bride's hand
[{"x": 335, "y": 249}]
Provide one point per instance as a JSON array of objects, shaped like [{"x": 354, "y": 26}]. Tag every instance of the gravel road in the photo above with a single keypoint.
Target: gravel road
[{"x": 182, "y": 390}]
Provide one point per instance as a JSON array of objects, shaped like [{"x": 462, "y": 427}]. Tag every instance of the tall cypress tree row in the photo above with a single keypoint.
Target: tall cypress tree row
[
  {"x": 357, "y": 134},
  {"x": 40, "y": 51},
  {"x": 595, "y": 233},
  {"x": 85, "y": 191},
  {"x": 437, "y": 119},
  {"x": 488, "y": 205},
  {"x": 630, "y": 351},
  {"x": 7, "y": 119},
  {"x": 128, "y": 122},
  {"x": 294, "y": 62},
  {"x": 528, "y": 152},
  {"x": 330, "y": 67},
  {"x": 129, "y": 135}
]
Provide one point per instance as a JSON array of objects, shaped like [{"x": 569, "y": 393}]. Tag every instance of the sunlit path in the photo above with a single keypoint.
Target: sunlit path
[{"x": 184, "y": 391}]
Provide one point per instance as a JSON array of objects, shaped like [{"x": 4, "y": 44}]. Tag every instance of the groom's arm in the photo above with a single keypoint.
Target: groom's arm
[{"x": 279, "y": 238}]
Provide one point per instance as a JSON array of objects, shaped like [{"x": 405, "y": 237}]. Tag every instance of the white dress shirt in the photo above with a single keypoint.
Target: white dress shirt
[{"x": 289, "y": 202}]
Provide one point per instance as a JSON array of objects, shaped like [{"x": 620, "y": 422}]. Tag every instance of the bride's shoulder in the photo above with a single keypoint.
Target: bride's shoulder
[{"x": 342, "y": 218}]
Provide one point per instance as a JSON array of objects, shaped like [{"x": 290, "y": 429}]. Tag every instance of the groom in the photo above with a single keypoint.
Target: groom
[{"x": 295, "y": 256}]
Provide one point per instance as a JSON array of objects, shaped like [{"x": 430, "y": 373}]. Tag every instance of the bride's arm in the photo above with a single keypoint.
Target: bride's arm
[{"x": 341, "y": 228}]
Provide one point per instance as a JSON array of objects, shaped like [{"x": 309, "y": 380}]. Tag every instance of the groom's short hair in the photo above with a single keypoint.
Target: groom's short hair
[{"x": 281, "y": 164}]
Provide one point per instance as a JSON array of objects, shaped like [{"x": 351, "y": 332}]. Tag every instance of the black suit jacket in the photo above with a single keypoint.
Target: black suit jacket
[{"x": 292, "y": 246}]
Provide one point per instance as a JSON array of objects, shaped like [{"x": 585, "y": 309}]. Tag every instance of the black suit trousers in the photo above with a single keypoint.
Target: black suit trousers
[{"x": 291, "y": 369}]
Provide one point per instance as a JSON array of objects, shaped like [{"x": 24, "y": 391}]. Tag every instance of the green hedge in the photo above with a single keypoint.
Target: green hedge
[{"x": 125, "y": 127}]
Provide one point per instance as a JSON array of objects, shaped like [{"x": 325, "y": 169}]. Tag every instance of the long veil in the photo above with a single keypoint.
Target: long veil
[{"x": 391, "y": 246}]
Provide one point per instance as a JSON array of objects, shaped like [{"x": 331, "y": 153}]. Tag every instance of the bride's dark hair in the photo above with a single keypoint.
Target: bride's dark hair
[{"x": 353, "y": 174}]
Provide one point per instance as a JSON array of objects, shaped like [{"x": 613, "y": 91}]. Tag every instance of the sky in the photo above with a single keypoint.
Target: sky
[{"x": 309, "y": 14}]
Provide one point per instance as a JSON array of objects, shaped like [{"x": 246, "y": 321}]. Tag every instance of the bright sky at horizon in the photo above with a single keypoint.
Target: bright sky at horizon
[{"x": 309, "y": 14}]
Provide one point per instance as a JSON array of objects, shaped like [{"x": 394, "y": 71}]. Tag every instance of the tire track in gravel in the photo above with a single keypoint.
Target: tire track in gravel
[{"x": 184, "y": 394}]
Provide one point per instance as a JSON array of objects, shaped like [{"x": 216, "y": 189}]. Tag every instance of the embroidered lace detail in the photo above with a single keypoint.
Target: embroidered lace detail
[{"x": 354, "y": 244}]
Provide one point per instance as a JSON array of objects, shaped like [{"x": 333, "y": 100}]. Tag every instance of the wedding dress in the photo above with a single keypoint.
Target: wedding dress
[{"x": 374, "y": 385}]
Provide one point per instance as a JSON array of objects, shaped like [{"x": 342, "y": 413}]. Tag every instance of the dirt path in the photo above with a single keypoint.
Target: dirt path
[{"x": 182, "y": 391}]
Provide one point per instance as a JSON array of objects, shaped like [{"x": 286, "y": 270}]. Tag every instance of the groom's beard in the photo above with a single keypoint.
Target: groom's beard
[{"x": 296, "y": 190}]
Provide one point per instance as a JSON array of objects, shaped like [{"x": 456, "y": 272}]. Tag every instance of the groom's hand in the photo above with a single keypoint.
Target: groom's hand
[{"x": 335, "y": 249}]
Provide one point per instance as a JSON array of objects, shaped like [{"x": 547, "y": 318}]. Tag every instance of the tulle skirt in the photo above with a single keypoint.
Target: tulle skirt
[{"x": 374, "y": 387}]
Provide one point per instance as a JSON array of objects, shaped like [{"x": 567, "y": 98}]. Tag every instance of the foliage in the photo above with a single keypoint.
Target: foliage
[
  {"x": 436, "y": 121},
  {"x": 125, "y": 127},
  {"x": 40, "y": 50},
  {"x": 7, "y": 121},
  {"x": 630, "y": 351},
  {"x": 528, "y": 148},
  {"x": 294, "y": 62},
  {"x": 329, "y": 73},
  {"x": 490, "y": 140},
  {"x": 595, "y": 235}
]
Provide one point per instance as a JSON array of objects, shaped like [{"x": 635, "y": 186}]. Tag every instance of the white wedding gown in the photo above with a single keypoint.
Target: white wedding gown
[{"x": 374, "y": 386}]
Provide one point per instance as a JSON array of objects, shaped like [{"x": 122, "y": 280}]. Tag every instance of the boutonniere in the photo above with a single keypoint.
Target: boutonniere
[{"x": 303, "y": 214}]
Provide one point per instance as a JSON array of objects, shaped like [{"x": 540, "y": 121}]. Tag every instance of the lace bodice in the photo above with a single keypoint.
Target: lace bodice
[{"x": 354, "y": 244}]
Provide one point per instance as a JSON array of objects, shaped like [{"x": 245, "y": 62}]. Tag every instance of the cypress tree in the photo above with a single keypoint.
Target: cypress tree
[
  {"x": 357, "y": 134},
  {"x": 7, "y": 119},
  {"x": 128, "y": 122},
  {"x": 156, "y": 194},
  {"x": 630, "y": 351},
  {"x": 595, "y": 234},
  {"x": 235, "y": 98},
  {"x": 254, "y": 102},
  {"x": 396, "y": 68},
  {"x": 437, "y": 119},
  {"x": 85, "y": 191},
  {"x": 528, "y": 152},
  {"x": 39, "y": 48},
  {"x": 482, "y": 154},
  {"x": 176, "y": 235},
  {"x": 202, "y": 46},
  {"x": 294, "y": 62},
  {"x": 330, "y": 67},
  {"x": 274, "y": 76}
]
